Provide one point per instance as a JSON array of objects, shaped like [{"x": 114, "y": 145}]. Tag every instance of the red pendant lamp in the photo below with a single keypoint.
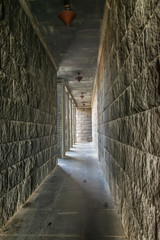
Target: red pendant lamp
[
  {"x": 82, "y": 95},
  {"x": 79, "y": 78},
  {"x": 67, "y": 15}
]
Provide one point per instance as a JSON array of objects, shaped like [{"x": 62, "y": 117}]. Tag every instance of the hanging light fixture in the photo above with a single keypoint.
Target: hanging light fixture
[
  {"x": 82, "y": 96},
  {"x": 79, "y": 78},
  {"x": 67, "y": 15}
]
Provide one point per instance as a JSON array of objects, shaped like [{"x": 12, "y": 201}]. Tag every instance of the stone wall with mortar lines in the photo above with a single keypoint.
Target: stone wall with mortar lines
[
  {"x": 66, "y": 130},
  {"x": 59, "y": 118},
  {"x": 128, "y": 91},
  {"x": 95, "y": 123},
  {"x": 83, "y": 125},
  {"x": 27, "y": 110}
]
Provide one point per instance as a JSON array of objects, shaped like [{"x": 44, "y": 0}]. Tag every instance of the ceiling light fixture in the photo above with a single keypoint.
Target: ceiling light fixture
[
  {"x": 83, "y": 103},
  {"x": 79, "y": 78},
  {"x": 82, "y": 95},
  {"x": 67, "y": 15}
]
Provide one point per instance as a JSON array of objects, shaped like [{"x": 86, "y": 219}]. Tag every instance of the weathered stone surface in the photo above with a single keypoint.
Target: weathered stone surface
[
  {"x": 127, "y": 113},
  {"x": 95, "y": 123},
  {"x": 59, "y": 118},
  {"x": 83, "y": 125},
  {"x": 9, "y": 154},
  {"x": 155, "y": 130},
  {"x": 27, "y": 110}
]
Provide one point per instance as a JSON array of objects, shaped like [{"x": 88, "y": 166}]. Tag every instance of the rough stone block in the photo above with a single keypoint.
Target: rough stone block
[
  {"x": 6, "y": 86},
  {"x": 8, "y": 109},
  {"x": 16, "y": 175},
  {"x": 155, "y": 130},
  {"x": 151, "y": 38},
  {"x": 4, "y": 131},
  {"x": 9, "y": 154},
  {"x": 25, "y": 149}
]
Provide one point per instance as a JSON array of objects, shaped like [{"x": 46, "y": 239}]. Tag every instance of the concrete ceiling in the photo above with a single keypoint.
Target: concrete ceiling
[{"x": 75, "y": 48}]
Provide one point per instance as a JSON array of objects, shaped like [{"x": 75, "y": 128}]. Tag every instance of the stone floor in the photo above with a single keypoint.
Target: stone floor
[{"x": 72, "y": 203}]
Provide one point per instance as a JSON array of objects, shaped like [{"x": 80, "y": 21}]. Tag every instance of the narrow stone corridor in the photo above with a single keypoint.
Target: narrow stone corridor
[{"x": 73, "y": 202}]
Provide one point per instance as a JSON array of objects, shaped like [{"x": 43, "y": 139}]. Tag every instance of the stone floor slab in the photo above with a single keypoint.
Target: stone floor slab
[
  {"x": 52, "y": 237},
  {"x": 73, "y": 202},
  {"x": 63, "y": 223},
  {"x": 25, "y": 222}
]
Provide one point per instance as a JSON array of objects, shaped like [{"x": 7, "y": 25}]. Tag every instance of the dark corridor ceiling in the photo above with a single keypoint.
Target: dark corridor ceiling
[{"x": 74, "y": 48}]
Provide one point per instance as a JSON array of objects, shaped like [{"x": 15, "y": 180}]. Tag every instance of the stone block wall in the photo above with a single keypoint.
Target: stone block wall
[
  {"x": 83, "y": 125},
  {"x": 59, "y": 118},
  {"x": 73, "y": 124},
  {"x": 67, "y": 130},
  {"x": 28, "y": 141},
  {"x": 128, "y": 103},
  {"x": 95, "y": 123},
  {"x": 66, "y": 119}
]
